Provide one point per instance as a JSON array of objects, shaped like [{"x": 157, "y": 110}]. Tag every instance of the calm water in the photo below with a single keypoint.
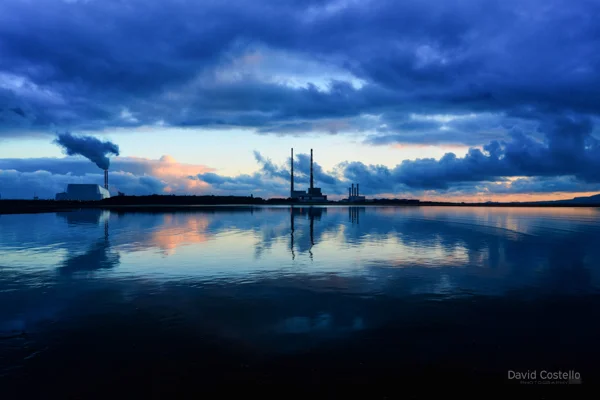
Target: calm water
[{"x": 366, "y": 294}]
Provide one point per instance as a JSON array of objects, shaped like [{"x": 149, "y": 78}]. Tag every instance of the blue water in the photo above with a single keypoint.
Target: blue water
[{"x": 274, "y": 289}]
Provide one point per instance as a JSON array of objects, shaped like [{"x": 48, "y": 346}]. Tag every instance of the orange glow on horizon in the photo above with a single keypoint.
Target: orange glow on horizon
[
  {"x": 480, "y": 197},
  {"x": 174, "y": 174},
  {"x": 167, "y": 166},
  {"x": 507, "y": 198}
]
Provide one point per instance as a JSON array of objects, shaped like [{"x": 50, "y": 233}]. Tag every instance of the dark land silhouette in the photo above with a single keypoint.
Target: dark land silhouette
[{"x": 130, "y": 203}]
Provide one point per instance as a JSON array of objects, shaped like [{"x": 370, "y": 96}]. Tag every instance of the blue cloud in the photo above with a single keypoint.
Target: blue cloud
[
  {"x": 24, "y": 185},
  {"x": 569, "y": 149},
  {"x": 187, "y": 64},
  {"x": 566, "y": 160}
]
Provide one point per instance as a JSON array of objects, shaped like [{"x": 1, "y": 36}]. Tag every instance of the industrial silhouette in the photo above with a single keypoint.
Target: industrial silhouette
[
  {"x": 354, "y": 194},
  {"x": 313, "y": 194}
]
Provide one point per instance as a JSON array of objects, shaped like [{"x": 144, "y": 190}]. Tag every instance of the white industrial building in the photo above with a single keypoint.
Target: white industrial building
[{"x": 83, "y": 192}]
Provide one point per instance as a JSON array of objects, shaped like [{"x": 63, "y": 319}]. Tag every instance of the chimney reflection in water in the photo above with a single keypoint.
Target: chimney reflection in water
[
  {"x": 292, "y": 232},
  {"x": 353, "y": 214},
  {"x": 311, "y": 213}
]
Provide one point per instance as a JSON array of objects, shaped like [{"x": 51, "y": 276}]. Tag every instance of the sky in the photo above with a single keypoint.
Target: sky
[{"x": 463, "y": 100}]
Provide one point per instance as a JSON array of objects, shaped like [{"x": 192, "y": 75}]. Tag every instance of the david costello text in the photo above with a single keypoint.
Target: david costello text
[{"x": 545, "y": 377}]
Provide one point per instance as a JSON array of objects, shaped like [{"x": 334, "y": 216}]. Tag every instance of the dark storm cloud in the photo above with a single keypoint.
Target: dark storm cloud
[
  {"x": 569, "y": 149},
  {"x": 400, "y": 128},
  {"x": 80, "y": 64},
  {"x": 541, "y": 185}
]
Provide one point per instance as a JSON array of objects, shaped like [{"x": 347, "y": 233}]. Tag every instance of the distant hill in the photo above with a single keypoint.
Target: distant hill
[{"x": 595, "y": 199}]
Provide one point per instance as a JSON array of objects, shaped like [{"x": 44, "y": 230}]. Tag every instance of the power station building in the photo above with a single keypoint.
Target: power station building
[
  {"x": 313, "y": 194},
  {"x": 354, "y": 194},
  {"x": 85, "y": 192}
]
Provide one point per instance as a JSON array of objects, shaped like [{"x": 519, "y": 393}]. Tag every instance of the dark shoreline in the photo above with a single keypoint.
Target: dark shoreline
[{"x": 49, "y": 206}]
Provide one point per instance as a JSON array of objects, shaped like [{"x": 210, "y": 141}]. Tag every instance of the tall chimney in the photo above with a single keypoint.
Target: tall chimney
[
  {"x": 349, "y": 191},
  {"x": 353, "y": 189},
  {"x": 106, "y": 179},
  {"x": 311, "y": 169},
  {"x": 292, "y": 174},
  {"x": 357, "y": 192}
]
